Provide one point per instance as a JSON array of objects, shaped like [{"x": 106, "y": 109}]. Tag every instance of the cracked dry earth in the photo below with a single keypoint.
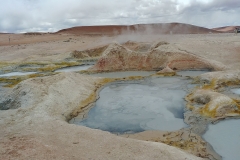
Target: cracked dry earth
[{"x": 39, "y": 128}]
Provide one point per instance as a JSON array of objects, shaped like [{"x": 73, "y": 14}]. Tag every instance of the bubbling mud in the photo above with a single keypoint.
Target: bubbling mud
[
  {"x": 225, "y": 138},
  {"x": 130, "y": 107}
]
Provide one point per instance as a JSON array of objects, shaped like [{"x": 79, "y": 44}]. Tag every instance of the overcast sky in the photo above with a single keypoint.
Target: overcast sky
[{"x": 53, "y": 15}]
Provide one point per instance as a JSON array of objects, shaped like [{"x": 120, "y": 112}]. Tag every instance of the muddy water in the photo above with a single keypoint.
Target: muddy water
[
  {"x": 16, "y": 74},
  {"x": 236, "y": 91},
  {"x": 124, "y": 74},
  {"x": 129, "y": 107},
  {"x": 192, "y": 73},
  {"x": 225, "y": 138},
  {"x": 74, "y": 68}
]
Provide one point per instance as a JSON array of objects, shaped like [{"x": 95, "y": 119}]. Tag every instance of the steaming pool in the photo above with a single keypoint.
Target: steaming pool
[{"x": 130, "y": 107}]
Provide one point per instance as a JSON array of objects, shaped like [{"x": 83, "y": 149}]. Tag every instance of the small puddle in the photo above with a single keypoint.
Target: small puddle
[
  {"x": 129, "y": 107},
  {"x": 74, "y": 68},
  {"x": 16, "y": 74},
  {"x": 236, "y": 90},
  {"x": 124, "y": 74},
  {"x": 192, "y": 73},
  {"x": 225, "y": 138}
]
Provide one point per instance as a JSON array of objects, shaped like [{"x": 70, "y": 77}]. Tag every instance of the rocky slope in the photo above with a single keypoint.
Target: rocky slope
[
  {"x": 226, "y": 29},
  {"x": 157, "y": 28}
]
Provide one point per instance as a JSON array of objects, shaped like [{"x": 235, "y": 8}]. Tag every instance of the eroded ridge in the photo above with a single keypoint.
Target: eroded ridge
[{"x": 160, "y": 55}]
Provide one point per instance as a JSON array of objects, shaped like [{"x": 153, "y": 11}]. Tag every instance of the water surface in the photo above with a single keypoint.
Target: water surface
[
  {"x": 236, "y": 90},
  {"x": 192, "y": 73},
  {"x": 124, "y": 74},
  {"x": 16, "y": 74},
  {"x": 225, "y": 138},
  {"x": 154, "y": 104}
]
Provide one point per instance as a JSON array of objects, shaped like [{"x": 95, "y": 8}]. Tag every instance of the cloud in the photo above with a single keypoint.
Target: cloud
[
  {"x": 52, "y": 15},
  {"x": 215, "y": 13}
]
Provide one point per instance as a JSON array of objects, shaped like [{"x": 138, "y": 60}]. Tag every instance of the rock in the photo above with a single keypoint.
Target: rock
[
  {"x": 116, "y": 57},
  {"x": 137, "y": 46},
  {"x": 214, "y": 105},
  {"x": 166, "y": 71},
  {"x": 221, "y": 78},
  {"x": 157, "y": 44},
  {"x": 90, "y": 53}
]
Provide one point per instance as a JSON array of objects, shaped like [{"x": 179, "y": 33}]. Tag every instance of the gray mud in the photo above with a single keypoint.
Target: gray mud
[{"x": 151, "y": 104}]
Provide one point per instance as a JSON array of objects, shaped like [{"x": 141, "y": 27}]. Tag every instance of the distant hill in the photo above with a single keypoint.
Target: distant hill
[
  {"x": 158, "y": 28},
  {"x": 226, "y": 29},
  {"x": 34, "y": 33},
  {"x": 37, "y": 33}
]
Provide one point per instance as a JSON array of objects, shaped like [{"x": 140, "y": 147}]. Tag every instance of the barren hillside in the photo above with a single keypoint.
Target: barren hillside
[
  {"x": 227, "y": 29},
  {"x": 158, "y": 28}
]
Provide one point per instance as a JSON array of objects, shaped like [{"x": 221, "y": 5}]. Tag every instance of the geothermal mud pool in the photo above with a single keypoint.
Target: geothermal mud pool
[
  {"x": 150, "y": 104},
  {"x": 225, "y": 138},
  {"x": 155, "y": 103},
  {"x": 236, "y": 90}
]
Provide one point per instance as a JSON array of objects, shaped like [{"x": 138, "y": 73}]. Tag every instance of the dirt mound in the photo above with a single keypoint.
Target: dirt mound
[
  {"x": 222, "y": 78},
  {"x": 158, "y": 28},
  {"x": 90, "y": 53},
  {"x": 161, "y": 55},
  {"x": 137, "y": 47},
  {"x": 226, "y": 29},
  {"x": 214, "y": 105}
]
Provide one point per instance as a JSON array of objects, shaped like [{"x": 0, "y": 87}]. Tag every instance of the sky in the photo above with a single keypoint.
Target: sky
[{"x": 17, "y": 16}]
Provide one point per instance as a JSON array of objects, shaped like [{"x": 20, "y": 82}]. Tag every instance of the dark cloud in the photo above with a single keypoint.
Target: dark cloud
[{"x": 52, "y": 15}]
